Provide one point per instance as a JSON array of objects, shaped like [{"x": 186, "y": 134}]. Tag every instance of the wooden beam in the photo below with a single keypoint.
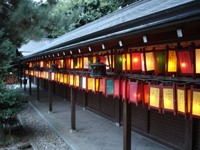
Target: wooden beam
[
  {"x": 38, "y": 90},
  {"x": 29, "y": 84},
  {"x": 73, "y": 109},
  {"x": 50, "y": 96},
  {"x": 126, "y": 126}
]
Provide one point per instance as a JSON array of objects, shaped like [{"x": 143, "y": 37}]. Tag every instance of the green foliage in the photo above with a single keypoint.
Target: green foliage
[{"x": 10, "y": 102}]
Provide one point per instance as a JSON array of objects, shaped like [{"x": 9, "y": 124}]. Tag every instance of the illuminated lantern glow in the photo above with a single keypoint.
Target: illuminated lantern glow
[
  {"x": 185, "y": 63},
  {"x": 37, "y": 74},
  {"x": 197, "y": 61},
  {"x": 109, "y": 86},
  {"x": 155, "y": 97},
  {"x": 136, "y": 62},
  {"x": 43, "y": 74},
  {"x": 46, "y": 75},
  {"x": 26, "y": 72},
  {"x": 118, "y": 62},
  {"x": 160, "y": 62},
  {"x": 150, "y": 61},
  {"x": 41, "y": 64},
  {"x": 84, "y": 83},
  {"x": 142, "y": 62},
  {"x": 104, "y": 86},
  {"x": 126, "y": 62},
  {"x": 181, "y": 100},
  {"x": 97, "y": 85},
  {"x": 71, "y": 79},
  {"x": 61, "y": 78},
  {"x": 72, "y": 64},
  {"x": 55, "y": 76},
  {"x": 169, "y": 99},
  {"x": 58, "y": 77},
  {"x": 32, "y": 72},
  {"x": 117, "y": 88},
  {"x": 90, "y": 83},
  {"x": 77, "y": 81},
  {"x": 65, "y": 78},
  {"x": 146, "y": 93},
  {"x": 172, "y": 62},
  {"x": 75, "y": 62},
  {"x": 195, "y": 102},
  {"x": 134, "y": 92},
  {"x": 189, "y": 100},
  {"x": 85, "y": 63},
  {"x": 100, "y": 85},
  {"x": 30, "y": 65},
  {"x": 52, "y": 76},
  {"x": 68, "y": 63},
  {"x": 80, "y": 63},
  {"x": 125, "y": 90}
]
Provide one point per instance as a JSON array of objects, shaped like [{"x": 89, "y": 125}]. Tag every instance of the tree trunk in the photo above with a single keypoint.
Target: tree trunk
[{"x": 2, "y": 136}]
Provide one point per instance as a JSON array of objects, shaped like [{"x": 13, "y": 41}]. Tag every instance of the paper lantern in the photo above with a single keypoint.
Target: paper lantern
[
  {"x": 41, "y": 74},
  {"x": 150, "y": 61},
  {"x": 75, "y": 62},
  {"x": 146, "y": 94},
  {"x": 71, "y": 64},
  {"x": 181, "y": 100},
  {"x": 30, "y": 64},
  {"x": 32, "y": 73},
  {"x": 189, "y": 100},
  {"x": 84, "y": 83},
  {"x": 52, "y": 76},
  {"x": 125, "y": 90},
  {"x": 76, "y": 81},
  {"x": 27, "y": 72},
  {"x": 46, "y": 75},
  {"x": 48, "y": 64},
  {"x": 41, "y": 64},
  {"x": 197, "y": 61},
  {"x": 109, "y": 86},
  {"x": 85, "y": 63},
  {"x": 100, "y": 85},
  {"x": 81, "y": 82},
  {"x": 117, "y": 88},
  {"x": 96, "y": 85},
  {"x": 68, "y": 63},
  {"x": 118, "y": 62},
  {"x": 185, "y": 62},
  {"x": 90, "y": 84},
  {"x": 71, "y": 80},
  {"x": 155, "y": 97},
  {"x": 58, "y": 77},
  {"x": 136, "y": 62},
  {"x": 65, "y": 79},
  {"x": 143, "y": 62},
  {"x": 80, "y": 60},
  {"x": 195, "y": 102},
  {"x": 37, "y": 74},
  {"x": 135, "y": 92},
  {"x": 126, "y": 62},
  {"x": 61, "y": 78},
  {"x": 104, "y": 86},
  {"x": 169, "y": 103},
  {"x": 171, "y": 62},
  {"x": 159, "y": 62}
]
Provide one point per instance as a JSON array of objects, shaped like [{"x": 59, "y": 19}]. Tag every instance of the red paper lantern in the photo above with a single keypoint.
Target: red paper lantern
[
  {"x": 146, "y": 93},
  {"x": 169, "y": 101},
  {"x": 155, "y": 96},
  {"x": 136, "y": 62},
  {"x": 27, "y": 72},
  {"x": 125, "y": 90},
  {"x": 185, "y": 62},
  {"x": 135, "y": 92},
  {"x": 117, "y": 88}
]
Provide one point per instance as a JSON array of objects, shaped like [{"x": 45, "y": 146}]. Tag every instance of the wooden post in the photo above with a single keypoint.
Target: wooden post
[
  {"x": 188, "y": 134},
  {"x": 73, "y": 110},
  {"x": 38, "y": 90},
  {"x": 29, "y": 84},
  {"x": 50, "y": 96},
  {"x": 84, "y": 100},
  {"x": 24, "y": 81},
  {"x": 65, "y": 92},
  {"x": 118, "y": 112},
  {"x": 111, "y": 61},
  {"x": 20, "y": 74},
  {"x": 127, "y": 126}
]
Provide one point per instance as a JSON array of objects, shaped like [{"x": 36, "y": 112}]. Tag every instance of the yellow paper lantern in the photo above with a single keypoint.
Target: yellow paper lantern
[
  {"x": 150, "y": 61},
  {"x": 65, "y": 79},
  {"x": 181, "y": 100},
  {"x": 172, "y": 61},
  {"x": 97, "y": 85},
  {"x": 72, "y": 64},
  {"x": 154, "y": 97},
  {"x": 71, "y": 80},
  {"x": 189, "y": 100},
  {"x": 168, "y": 99},
  {"x": 197, "y": 61},
  {"x": 85, "y": 63},
  {"x": 90, "y": 83},
  {"x": 46, "y": 75},
  {"x": 77, "y": 81},
  {"x": 61, "y": 78}
]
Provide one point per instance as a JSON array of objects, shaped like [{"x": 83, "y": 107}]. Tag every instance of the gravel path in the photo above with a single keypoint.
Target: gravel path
[{"x": 43, "y": 137}]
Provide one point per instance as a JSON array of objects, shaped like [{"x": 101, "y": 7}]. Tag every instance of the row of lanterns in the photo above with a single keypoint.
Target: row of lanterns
[
  {"x": 175, "y": 98},
  {"x": 163, "y": 61}
]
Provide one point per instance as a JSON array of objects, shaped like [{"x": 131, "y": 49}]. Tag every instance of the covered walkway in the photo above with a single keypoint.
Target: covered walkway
[{"x": 93, "y": 131}]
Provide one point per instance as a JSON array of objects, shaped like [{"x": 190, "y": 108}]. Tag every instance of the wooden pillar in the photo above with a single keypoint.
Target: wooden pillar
[
  {"x": 65, "y": 92},
  {"x": 84, "y": 100},
  {"x": 73, "y": 109},
  {"x": 38, "y": 90},
  {"x": 50, "y": 96},
  {"x": 118, "y": 112},
  {"x": 20, "y": 74},
  {"x": 188, "y": 134},
  {"x": 29, "y": 84},
  {"x": 24, "y": 81},
  {"x": 127, "y": 126}
]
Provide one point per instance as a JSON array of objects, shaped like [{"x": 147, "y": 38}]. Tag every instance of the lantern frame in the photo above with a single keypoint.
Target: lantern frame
[
  {"x": 156, "y": 62},
  {"x": 125, "y": 54},
  {"x": 167, "y": 73},
  {"x": 185, "y": 97},
  {"x": 191, "y": 102},
  {"x": 160, "y": 96},
  {"x": 179, "y": 65},
  {"x": 125, "y": 89},
  {"x": 174, "y": 99}
]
